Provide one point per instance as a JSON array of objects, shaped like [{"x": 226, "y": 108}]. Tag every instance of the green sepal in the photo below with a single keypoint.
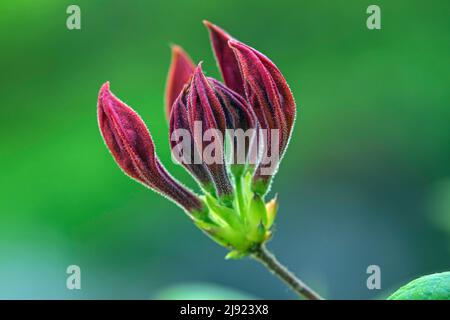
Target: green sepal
[
  {"x": 236, "y": 255},
  {"x": 237, "y": 170},
  {"x": 272, "y": 210},
  {"x": 261, "y": 186},
  {"x": 257, "y": 211},
  {"x": 226, "y": 200},
  {"x": 256, "y": 218},
  {"x": 205, "y": 224},
  {"x": 209, "y": 188},
  {"x": 242, "y": 225},
  {"x": 224, "y": 213}
]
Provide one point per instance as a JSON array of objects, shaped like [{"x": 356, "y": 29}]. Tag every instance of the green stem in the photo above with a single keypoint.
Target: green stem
[{"x": 270, "y": 262}]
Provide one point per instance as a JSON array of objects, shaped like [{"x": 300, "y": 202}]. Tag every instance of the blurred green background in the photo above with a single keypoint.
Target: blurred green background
[{"x": 365, "y": 181}]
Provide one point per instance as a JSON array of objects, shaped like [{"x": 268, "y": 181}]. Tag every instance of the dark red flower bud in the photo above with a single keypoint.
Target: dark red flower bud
[
  {"x": 204, "y": 109},
  {"x": 131, "y": 145},
  {"x": 181, "y": 135},
  {"x": 228, "y": 65},
  {"x": 269, "y": 95},
  {"x": 180, "y": 71}
]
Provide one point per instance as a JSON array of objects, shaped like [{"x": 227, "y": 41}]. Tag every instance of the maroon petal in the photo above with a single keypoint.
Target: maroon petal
[
  {"x": 286, "y": 97},
  {"x": 228, "y": 65},
  {"x": 131, "y": 145},
  {"x": 180, "y": 71}
]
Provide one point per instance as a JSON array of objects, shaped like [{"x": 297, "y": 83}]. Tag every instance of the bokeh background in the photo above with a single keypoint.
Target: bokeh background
[{"x": 366, "y": 179}]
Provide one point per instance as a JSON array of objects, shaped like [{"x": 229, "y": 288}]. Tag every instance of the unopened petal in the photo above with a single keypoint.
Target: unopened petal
[{"x": 180, "y": 71}]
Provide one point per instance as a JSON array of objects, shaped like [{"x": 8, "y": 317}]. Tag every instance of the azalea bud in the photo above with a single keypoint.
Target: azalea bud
[
  {"x": 252, "y": 75},
  {"x": 269, "y": 95},
  {"x": 131, "y": 145},
  {"x": 204, "y": 108},
  {"x": 180, "y": 130},
  {"x": 180, "y": 71}
]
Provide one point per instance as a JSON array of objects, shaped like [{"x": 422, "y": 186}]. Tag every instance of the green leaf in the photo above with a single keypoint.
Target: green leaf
[{"x": 431, "y": 287}]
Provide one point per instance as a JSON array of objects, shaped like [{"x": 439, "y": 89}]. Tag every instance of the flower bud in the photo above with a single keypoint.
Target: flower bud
[
  {"x": 204, "y": 109},
  {"x": 252, "y": 75},
  {"x": 131, "y": 145},
  {"x": 269, "y": 95},
  {"x": 180, "y": 130}
]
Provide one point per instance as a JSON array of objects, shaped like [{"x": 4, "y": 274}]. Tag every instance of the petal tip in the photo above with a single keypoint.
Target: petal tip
[
  {"x": 180, "y": 71},
  {"x": 215, "y": 29},
  {"x": 207, "y": 23},
  {"x": 177, "y": 50},
  {"x": 104, "y": 87},
  {"x": 179, "y": 54},
  {"x": 199, "y": 68},
  {"x": 103, "y": 94}
]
